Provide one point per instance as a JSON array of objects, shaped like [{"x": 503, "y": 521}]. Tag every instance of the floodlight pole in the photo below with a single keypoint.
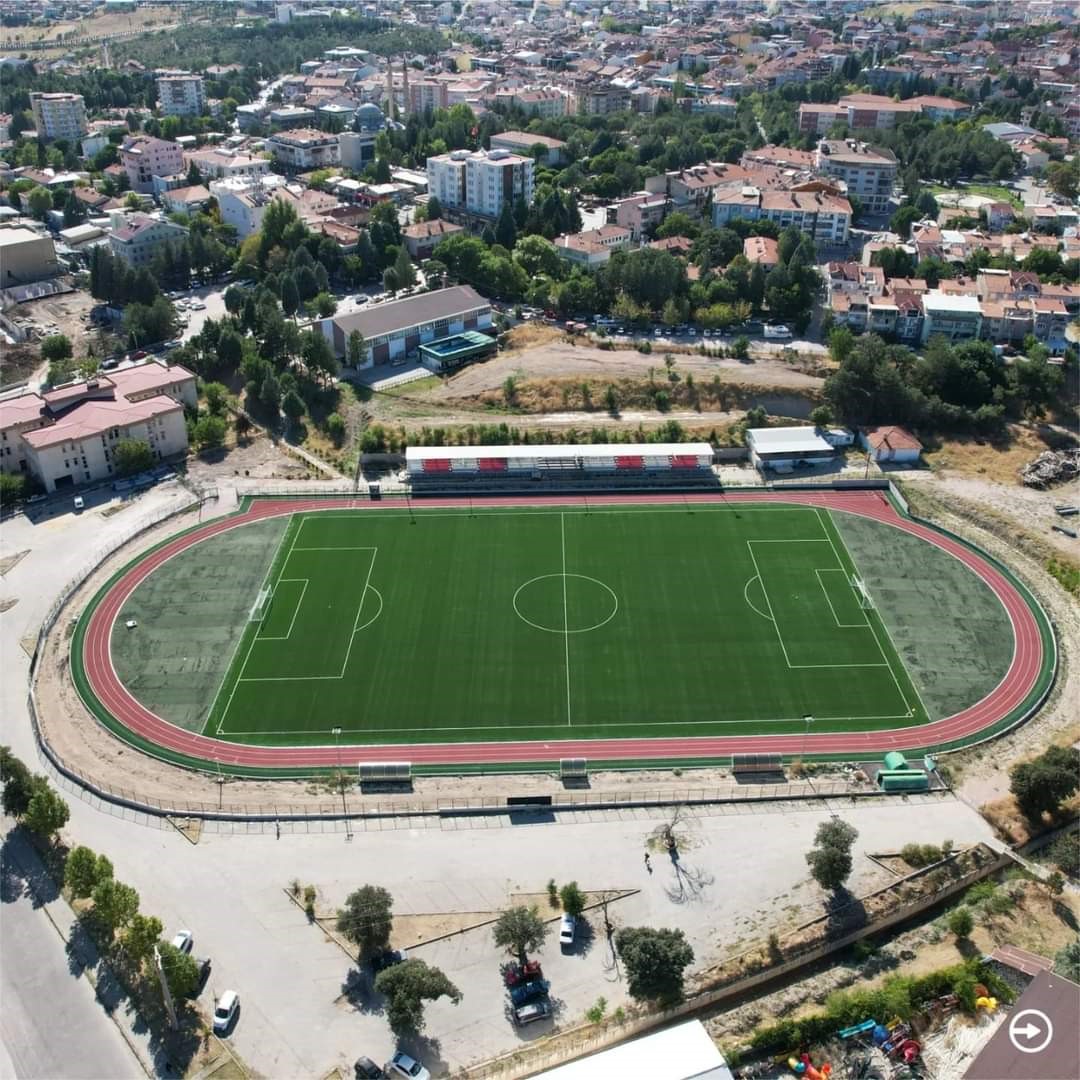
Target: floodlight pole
[
  {"x": 806, "y": 733},
  {"x": 336, "y": 732}
]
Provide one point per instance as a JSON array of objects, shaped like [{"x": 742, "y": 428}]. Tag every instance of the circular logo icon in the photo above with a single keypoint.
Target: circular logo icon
[{"x": 1030, "y": 1031}]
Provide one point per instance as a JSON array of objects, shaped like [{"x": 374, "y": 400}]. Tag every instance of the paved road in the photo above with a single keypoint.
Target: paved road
[{"x": 51, "y": 1024}]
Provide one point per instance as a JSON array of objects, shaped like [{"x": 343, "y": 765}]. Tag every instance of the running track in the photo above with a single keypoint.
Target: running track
[{"x": 1014, "y": 688}]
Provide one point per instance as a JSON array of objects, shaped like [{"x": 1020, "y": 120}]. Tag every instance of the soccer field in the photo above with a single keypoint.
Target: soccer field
[{"x": 560, "y": 624}]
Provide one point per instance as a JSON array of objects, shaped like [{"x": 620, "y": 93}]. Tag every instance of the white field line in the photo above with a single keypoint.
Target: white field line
[
  {"x": 255, "y": 636},
  {"x": 296, "y": 611},
  {"x": 828, "y": 599},
  {"x": 873, "y": 630},
  {"x": 566, "y": 618}
]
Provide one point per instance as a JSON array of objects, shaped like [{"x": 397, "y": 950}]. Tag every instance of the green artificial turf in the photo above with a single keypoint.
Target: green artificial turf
[{"x": 550, "y": 624}]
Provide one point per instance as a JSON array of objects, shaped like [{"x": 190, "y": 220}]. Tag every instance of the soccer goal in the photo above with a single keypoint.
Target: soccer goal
[
  {"x": 261, "y": 605},
  {"x": 866, "y": 601}
]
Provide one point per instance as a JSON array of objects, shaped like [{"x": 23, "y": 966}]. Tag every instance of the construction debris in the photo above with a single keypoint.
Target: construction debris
[{"x": 1051, "y": 467}]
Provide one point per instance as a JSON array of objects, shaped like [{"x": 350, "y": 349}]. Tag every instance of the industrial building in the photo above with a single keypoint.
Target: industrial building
[
  {"x": 393, "y": 331},
  {"x": 25, "y": 257}
]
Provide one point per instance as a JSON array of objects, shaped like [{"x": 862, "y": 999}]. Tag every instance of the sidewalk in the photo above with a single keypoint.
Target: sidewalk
[{"x": 84, "y": 958}]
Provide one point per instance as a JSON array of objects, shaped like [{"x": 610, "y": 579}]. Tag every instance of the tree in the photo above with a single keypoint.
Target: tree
[
  {"x": 325, "y": 305},
  {"x": 142, "y": 934},
  {"x": 115, "y": 904},
  {"x": 209, "y": 432},
  {"x": 56, "y": 348},
  {"x": 74, "y": 211},
  {"x": 46, "y": 813},
  {"x": 19, "y": 783},
  {"x": 903, "y": 219},
  {"x": 406, "y": 986},
  {"x": 1063, "y": 178},
  {"x": 84, "y": 871},
  {"x": 270, "y": 394},
  {"x": 655, "y": 961},
  {"x": 1067, "y": 961},
  {"x": 961, "y": 923},
  {"x": 39, "y": 202},
  {"x": 519, "y": 930},
  {"x": 132, "y": 456},
  {"x": 390, "y": 280},
  {"x": 335, "y": 428},
  {"x": 434, "y": 208},
  {"x": 181, "y": 971},
  {"x": 292, "y": 405},
  {"x": 821, "y": 416},
  {"x": 290, "y": 297},
  {"x": 1040, "y": 786},
  {"x": 366, "y": 918},
  {"x": 537, "y": 256},
  {"x": 740, "y": 348},
  {"x": 404, "y": 269},
  {"x": 830, "y": 858},
  {"x": 841, "y": 342},
  {"x": 572, "y": 898},
  {"x": 505, "y": 229},
  {"x": 217, "y": 396},
  {"x": 356, "y": 349}
]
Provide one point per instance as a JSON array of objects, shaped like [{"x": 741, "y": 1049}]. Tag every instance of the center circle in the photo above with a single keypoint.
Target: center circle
[{"x": 565, "y": 603}]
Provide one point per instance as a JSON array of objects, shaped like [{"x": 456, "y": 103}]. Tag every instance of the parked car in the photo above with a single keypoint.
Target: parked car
[
  {"x": 366, "y": 1069},
  {"x": 523, "y": 993},
  {"x": 388, "y": 959},
  {"x": 778, "y": 333},
  {"x": 204, "y": 973},
  {"x": 228, "y": 1005},
  {"x": 528, "y": 1014},
  {"x": 78, "y": 502},
  {"x": 184, "y": 941},
  {"x": 517, "y": 973},
  {"x": 197, "y": 305},
  {"x": 567, "y": 930},
  {"x": 403, "y": 1065}
]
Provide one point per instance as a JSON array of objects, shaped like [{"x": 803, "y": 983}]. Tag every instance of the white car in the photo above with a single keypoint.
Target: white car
[
  {"x": 197, "y": 305},
  {"x": 403, "y": 1065},
  {"x": 78, "y": 502},
  {"x": 225, "y": 1011},
  {"x": 567, "y": 931},
  {"x": 184, "y": 941}
]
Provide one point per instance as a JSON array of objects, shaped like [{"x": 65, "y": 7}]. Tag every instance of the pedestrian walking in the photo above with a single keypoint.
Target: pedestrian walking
[{"x": 648, "y": 862}]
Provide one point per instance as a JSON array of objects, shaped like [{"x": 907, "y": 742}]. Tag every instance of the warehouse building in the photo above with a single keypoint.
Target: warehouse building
[
  {"x": 393, "y": 331},
  {"x": 785, "y": 448},
  {"x": 25, "y": 256},
  {"x": 592, "y": 465}
]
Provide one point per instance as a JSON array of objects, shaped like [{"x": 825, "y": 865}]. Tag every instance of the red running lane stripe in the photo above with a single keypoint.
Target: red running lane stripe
[{"x": 1019, "y": 680}]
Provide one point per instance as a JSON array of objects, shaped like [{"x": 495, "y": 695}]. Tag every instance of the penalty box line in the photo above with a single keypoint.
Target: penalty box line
[
  {"x": 776, "y": 625},
  {"x": 298, "y": 678}
]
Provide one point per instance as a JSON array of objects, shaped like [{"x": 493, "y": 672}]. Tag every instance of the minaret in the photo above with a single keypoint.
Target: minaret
[
  {"x": 404, "y": 88},
  {"x": 389, "y": 88}
]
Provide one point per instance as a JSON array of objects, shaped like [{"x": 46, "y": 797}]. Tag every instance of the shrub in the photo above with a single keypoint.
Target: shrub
[
  {"x": 595, "y": 1013},
  {"x": 961, "y": 922},
  {"x": 553, "y": 893},
  {"x": 920, "y": 854}
]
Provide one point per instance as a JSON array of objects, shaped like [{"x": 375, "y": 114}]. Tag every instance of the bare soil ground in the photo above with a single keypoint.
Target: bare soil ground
[
  {"x": 258, "y": 457},
  {"x": 101, "y": 24}
]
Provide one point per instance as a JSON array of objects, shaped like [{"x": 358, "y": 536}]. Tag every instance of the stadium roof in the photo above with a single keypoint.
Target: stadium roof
[
  {"x": 683, "y": 1052},
  {"x": 539, "y": 453},
  {"x": 787, "y": 440}
]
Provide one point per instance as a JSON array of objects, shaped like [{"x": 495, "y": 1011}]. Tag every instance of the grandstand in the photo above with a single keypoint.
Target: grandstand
[{"x": 604, "y": 464}]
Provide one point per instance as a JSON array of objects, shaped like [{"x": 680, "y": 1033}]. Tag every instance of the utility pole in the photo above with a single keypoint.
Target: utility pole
[
  {"x": 166, "y": 994},
  {"x": 336, "y": 732}
]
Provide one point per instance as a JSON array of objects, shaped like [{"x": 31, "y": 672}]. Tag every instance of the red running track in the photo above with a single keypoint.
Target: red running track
[{"x": 1017, "y": 683}]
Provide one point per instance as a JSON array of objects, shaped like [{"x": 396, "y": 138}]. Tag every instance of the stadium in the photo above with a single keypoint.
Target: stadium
[{"x": 511, "y": 630}]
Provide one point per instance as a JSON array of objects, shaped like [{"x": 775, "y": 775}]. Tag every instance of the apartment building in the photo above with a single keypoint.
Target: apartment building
[
  {"x": 865, "y": 111},
  {"x": 219, "y": 163},
  {"x": 824, "y": 217},
  {"x": 523, "y": 142},
  {"x": 593, "y": 247},
  {"x": 480, "y": 183},
  {"x": 357, "y": 149},
  {"x": 868, "y": 173},
  {"x": 59, "y": 116},
  {"x": 181, "y": 95},
  {"x": 953, "y": 316},
  {"x": 640, "y": 213},
  {"x": 547, "y": 104},
  {"x": 66, "y": 436},
  {"x": 422, "y": 238},
  {"x": 304, "y": 149},
  {"x": 144, "y": 157},
  {"x": 600, "y": 99},
  {"x": 428, "y": 94},
  {"x": 138, "y": 238}
]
